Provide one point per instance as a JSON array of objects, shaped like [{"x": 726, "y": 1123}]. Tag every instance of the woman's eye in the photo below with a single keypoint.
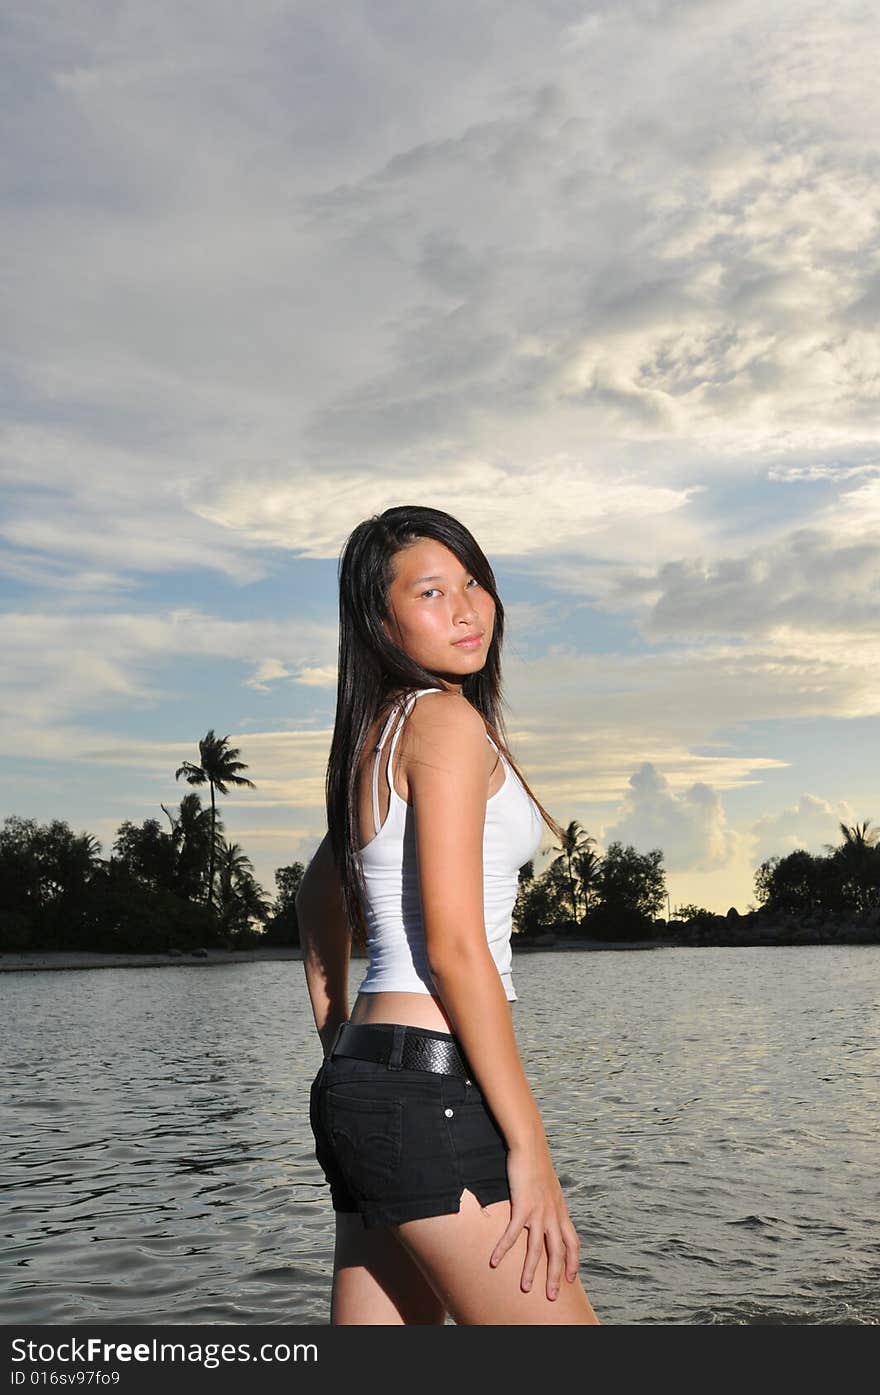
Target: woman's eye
[{"x": 434, "y": 588}]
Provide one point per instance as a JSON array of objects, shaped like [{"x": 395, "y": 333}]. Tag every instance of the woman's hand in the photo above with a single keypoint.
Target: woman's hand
[{"x": 537, "y": 1203}]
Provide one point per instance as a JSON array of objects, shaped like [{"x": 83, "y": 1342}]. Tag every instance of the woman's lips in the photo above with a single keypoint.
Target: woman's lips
[{"x": 472, "y": 642}]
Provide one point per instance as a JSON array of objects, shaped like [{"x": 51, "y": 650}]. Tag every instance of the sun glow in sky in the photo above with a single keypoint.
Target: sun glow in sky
[{"x": 601, "y": 279}]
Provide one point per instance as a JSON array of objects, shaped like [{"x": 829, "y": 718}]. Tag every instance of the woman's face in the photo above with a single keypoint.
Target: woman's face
[{"x": 433, "y": 603}]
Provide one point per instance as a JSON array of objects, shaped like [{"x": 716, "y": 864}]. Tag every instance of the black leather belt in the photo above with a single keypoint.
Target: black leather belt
[{"x": 399, "y": 1047}]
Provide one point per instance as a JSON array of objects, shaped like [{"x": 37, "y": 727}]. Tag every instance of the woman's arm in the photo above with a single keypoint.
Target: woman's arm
[
  {"x": 447, "y": 773},
  {"x": 325, "y": 939}
]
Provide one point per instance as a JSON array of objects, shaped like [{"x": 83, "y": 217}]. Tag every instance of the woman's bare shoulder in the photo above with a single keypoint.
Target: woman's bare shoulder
[
  {"x": 445, "y": 716},
  {"x": 444, "y": 736}
]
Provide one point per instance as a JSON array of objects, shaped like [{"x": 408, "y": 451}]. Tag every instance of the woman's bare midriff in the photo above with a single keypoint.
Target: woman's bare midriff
[{"x": 412, "y": 1009}]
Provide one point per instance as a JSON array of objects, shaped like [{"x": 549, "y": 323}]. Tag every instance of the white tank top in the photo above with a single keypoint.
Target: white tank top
[{"x": 395, "y": 932}]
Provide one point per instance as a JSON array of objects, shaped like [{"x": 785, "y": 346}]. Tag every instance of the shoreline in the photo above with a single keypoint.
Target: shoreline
[{"x": 40, "y": 961}]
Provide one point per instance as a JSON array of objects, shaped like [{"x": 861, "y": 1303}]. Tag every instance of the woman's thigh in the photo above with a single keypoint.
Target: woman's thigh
[
  {"x": 376, "y": 1281},
  {"x": 453, "y": 1252}
]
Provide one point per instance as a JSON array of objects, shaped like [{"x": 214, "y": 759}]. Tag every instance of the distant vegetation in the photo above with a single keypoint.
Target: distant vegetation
[
  {"x": 180, "y": 887},
  {"x": 848, "y": 878},
  {"x": 185, "y": 887},
  {"x": 617, "y": 896},
  {"x": 801, "y": 896}
]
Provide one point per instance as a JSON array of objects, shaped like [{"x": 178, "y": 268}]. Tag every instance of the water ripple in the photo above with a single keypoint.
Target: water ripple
[{"x": 713, "y": 1125}]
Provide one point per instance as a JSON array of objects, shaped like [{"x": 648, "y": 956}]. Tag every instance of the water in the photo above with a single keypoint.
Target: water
[{"x": 713, "y": 1115}]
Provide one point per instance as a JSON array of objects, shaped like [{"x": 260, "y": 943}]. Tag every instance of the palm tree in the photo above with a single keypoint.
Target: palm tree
[
  {"x": 191, "y": 835},
  {"x": 856, "y": 853},
  {"x": 237, "y": 888},
  {"x": 219, "y": 767},
  {"x": 857, "y": 836},
  {"x": 575, "y": 844},
  {"x": 588, "y": 865},
  {"x": 68, "y": 861}
]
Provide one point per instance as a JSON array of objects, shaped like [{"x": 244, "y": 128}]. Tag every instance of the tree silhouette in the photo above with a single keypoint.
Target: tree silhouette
[
  {"x": 588, "y": 866},
  {"x": 282, "y": 926},
  {"x": 191, "y": 835},
  {"x": 631, "y": 886},
  {"x": 540, "y": 901},
  {"x": 219, "y": 768},
  {"x": 48, "y": 874},
  {"x": 240, "y": 896},
  {"x": 575, "y": 847},
  {"x": 857, "y": 838},
  {"x": 858, "y": 856},
  {"x": 145, "y": 852}
]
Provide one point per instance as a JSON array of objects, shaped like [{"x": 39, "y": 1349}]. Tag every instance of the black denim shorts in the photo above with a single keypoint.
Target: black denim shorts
[{"x": 397, "y": 1145}]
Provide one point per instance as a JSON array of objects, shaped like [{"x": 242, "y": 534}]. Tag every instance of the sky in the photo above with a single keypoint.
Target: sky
[{"x": 600, "y": 279}]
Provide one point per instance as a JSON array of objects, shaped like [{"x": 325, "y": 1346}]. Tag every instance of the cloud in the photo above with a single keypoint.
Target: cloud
[
  {"x": 792, "y": 473},
  {"x": 296, "y": 252},
  {"x": 267, "y": 672},
  {"x": 689, "y": 826},
  {"x": 811, "y": 823},
  {"x": 804, "y": 589},
  {"x": 318, "y": 677},
  {"x": 59, "y": 666},
  {"x": 812, "y": 584},
  {"x": 576, "y": 506}
]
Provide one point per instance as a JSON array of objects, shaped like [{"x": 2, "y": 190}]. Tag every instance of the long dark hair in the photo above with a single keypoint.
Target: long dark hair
[{"x": 374, "y": 672}]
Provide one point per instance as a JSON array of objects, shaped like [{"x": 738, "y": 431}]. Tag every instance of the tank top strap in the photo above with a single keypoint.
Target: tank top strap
[{"x": 409, "y": 702}]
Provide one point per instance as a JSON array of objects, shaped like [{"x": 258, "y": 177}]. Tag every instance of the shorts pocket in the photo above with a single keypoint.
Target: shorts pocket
[
  {"x": 366, "y": 1135},
  {"x": 481, "y": 1121},
  {"x": 479, "y": 1137}
]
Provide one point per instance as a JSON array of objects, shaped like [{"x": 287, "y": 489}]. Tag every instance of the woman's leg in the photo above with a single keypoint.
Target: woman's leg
[
  {"x": 453, "y": 1254},
  {"x": 376, "y": 1282}
]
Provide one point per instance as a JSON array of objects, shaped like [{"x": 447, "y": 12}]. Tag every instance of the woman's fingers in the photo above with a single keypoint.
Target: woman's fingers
[
  {"x": 572, "y": 1249},
  {"x": 563, "y": 1252},
  {"x": 555, "y": 1261},
  {"x": 545, "y": 1217},
  {"x": 506, "y": 1240},
  {"x": 534, "y": 1250}
]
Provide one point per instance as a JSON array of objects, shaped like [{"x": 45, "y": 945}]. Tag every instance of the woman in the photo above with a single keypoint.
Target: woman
[{"x": 445, "y": 1193}]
